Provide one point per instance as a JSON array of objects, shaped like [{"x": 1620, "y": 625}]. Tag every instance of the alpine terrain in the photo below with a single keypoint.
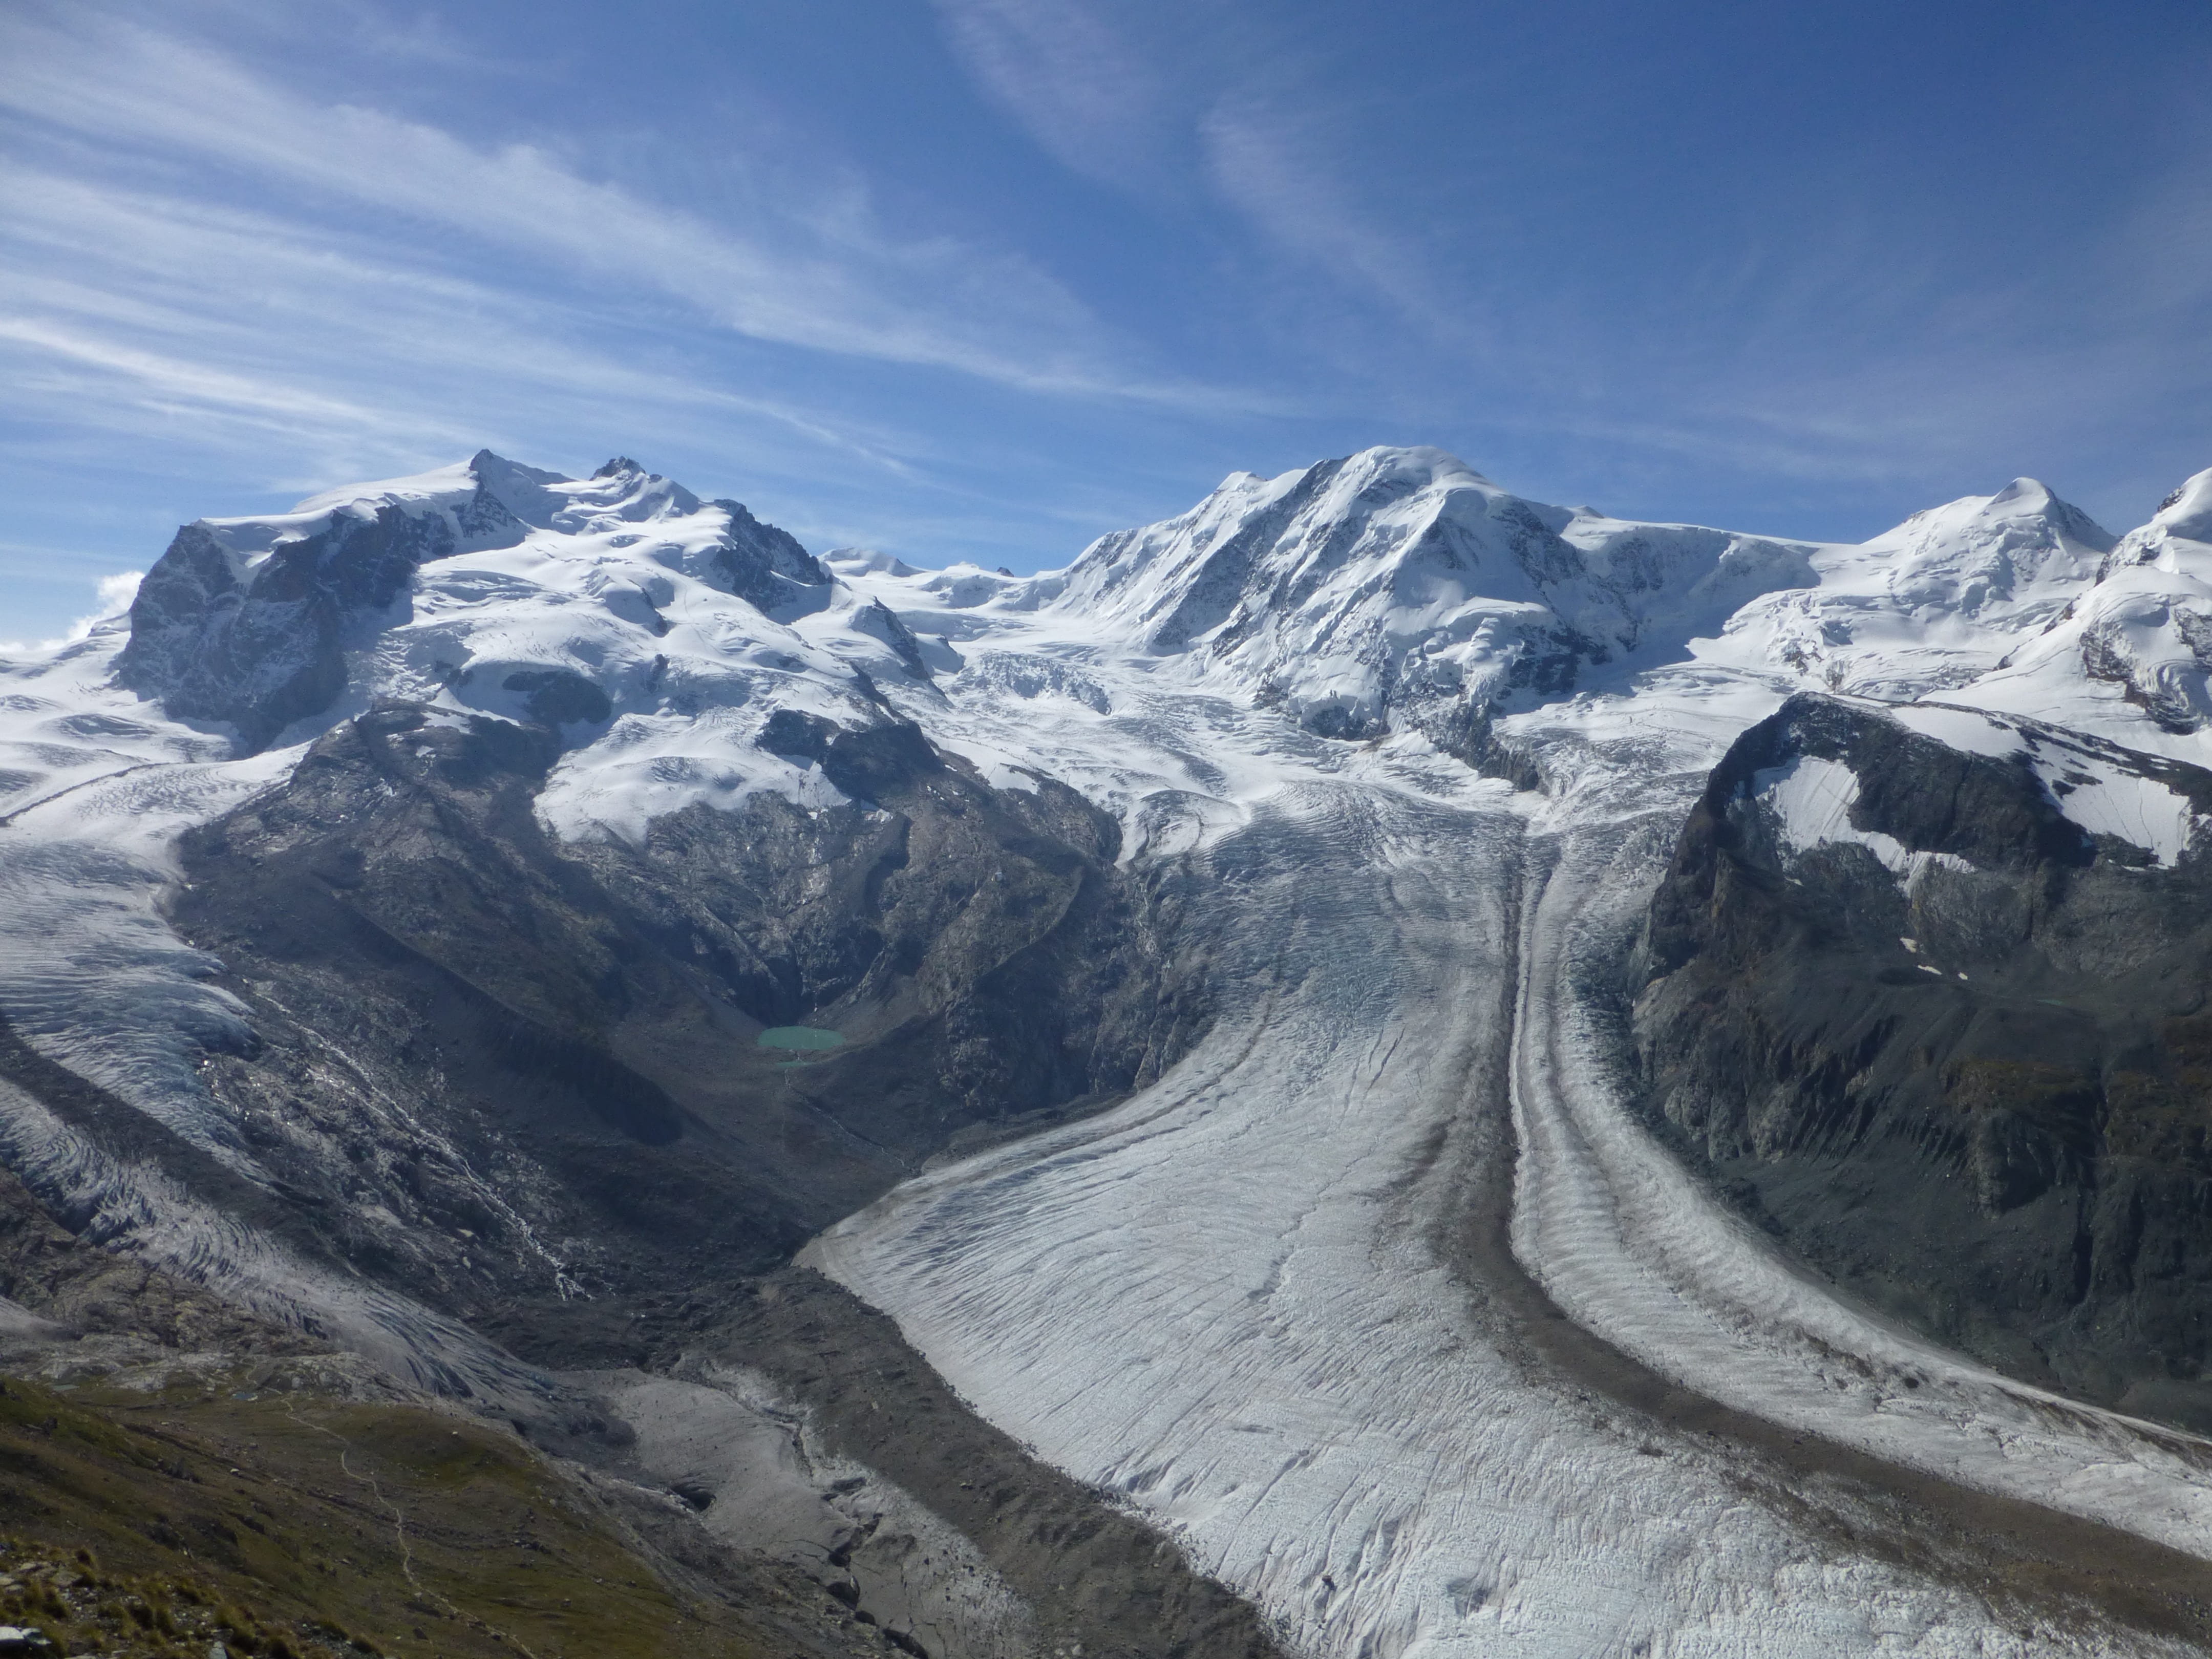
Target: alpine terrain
[{"x": 1375, "y": 1070}]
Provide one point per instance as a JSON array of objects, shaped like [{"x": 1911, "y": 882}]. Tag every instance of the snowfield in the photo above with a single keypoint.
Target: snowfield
[{"x": 1244, "y": 1302}]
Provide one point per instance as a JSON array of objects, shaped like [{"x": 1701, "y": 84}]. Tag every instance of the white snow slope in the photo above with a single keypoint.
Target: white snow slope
[{"x": 1231, "y": 1300}]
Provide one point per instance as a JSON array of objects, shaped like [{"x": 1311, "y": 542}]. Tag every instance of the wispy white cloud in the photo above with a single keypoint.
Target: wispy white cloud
[
  {"x": 810, "y": 265},
  {"x": 1272, "y": 158},
  {"x": 1255, "y": 123},
  {"x": 114, "y": 594},
  {"x": 168, "y": 334},
  {"x": 188, "y": 383},
  {"x": 1073, "y": 80},
  {"x": 194, "y": 353}
]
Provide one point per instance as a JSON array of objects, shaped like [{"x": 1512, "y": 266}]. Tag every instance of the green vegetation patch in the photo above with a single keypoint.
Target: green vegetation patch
[{"x": 293, "y": 1526}]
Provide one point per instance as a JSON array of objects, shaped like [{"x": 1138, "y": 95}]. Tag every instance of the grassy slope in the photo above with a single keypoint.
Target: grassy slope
[{"x": 317, "y": 1524}]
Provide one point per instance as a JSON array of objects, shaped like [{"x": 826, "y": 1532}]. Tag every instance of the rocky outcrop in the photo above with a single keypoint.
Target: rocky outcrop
[
  {"x": 493, "y": 1067},
  {"x": 1918, "y": 1008},
  {"x": 260, "y": 647},
  {"x": 765, "y": 566}
]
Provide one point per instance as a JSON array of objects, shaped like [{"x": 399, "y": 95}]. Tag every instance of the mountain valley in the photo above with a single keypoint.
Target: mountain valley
[{"x": 1375, "y": 1068}]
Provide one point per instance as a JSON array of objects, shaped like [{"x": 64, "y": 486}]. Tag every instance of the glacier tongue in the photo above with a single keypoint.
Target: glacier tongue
[{"x": 1235, "y": 1301}]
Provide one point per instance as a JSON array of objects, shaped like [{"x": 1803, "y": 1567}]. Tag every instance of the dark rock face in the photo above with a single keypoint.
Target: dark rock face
[
  {"x": 879, "y": 621},
  {"x": 2000, "y": 1133},
  {"x": 560, "y": 696},
  {"x": 767, "y": 567},
  {"x": 483, "y": 1051},
  {"x": 263, "y": 649}
]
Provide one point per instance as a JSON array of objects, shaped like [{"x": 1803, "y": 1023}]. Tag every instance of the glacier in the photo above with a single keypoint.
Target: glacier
[{"x": 1422, "y": 745}]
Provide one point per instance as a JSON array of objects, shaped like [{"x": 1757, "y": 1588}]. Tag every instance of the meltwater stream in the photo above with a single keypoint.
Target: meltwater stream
[{"x": 1224, "y": 1302}]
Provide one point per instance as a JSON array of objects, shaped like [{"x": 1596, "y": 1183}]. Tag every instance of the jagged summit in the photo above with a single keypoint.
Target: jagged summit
[{"x": 399, "y": 588}]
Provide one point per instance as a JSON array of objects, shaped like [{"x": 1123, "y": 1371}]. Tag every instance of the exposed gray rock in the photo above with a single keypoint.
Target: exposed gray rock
[
  {"x": 261, "y": 647},
  {"x": 568, "y": 1031},
  {"x": 560, "y": 696},
  {"x": 1980, "y": 1096},
  {"x": 258, "y": 640},
  {"x": 879, "y": 621},
  {"x": 767, "y": 567}
]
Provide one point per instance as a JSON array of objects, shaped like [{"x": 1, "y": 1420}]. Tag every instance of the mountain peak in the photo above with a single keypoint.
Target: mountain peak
[
  {"x": 2025, "y": 502},
  {"x": 2031, "y": 493},
  {"x": 1398, "y": 588},
  {"x": 2187, "y": 511},
  {"x": 2181, "y": 529},
  {"x": 259, "y": 622},
  {"x": 1420, "y": 465}
]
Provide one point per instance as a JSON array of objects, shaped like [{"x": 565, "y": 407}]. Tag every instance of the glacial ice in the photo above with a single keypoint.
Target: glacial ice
[{"x": 1227, "y": 1302}]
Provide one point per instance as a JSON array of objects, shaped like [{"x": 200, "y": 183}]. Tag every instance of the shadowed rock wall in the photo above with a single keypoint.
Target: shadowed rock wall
[
  {"x": 2000, "y": 1131},
  {"x": 481, "y": 1051}
]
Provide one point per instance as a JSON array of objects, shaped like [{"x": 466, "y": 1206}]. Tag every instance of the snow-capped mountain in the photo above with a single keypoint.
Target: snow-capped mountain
[
  {"x": 1396, "y": 592},
  {"x": 1204, "y": 966},
  {"x": 250, "y": 622},
  {"x": 1399, "y": 590},
  {"x": 1930, "y": 606},
  {"x": 2128, "y": 657}
]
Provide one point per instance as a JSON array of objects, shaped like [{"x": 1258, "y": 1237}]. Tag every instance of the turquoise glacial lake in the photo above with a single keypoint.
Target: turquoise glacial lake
[{"x": 803, "y": 1037}]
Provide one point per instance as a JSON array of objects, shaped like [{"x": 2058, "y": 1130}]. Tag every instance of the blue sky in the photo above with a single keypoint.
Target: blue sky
[{"x": 983, "y": 278}]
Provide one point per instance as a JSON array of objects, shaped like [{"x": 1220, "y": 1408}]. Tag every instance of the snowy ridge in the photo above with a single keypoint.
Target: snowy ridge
[
  {"x": 1401, "y": 590},
  {"x": 2130, "y": 660}
]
